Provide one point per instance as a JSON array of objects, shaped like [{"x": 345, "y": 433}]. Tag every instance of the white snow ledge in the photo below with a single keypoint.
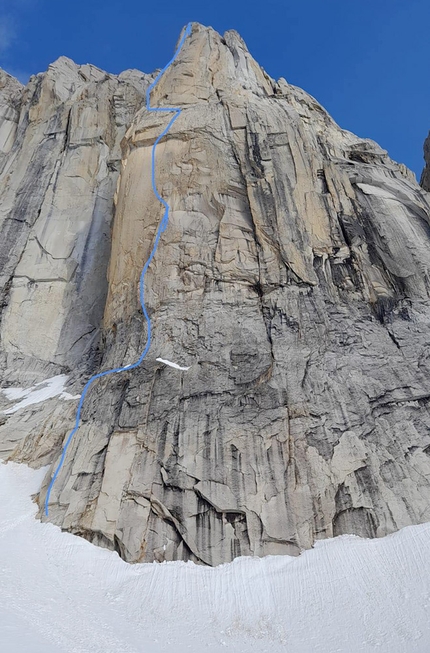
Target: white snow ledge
[
  {"x": 175, "y": 365},
  {"x": 37, "y": 393}
]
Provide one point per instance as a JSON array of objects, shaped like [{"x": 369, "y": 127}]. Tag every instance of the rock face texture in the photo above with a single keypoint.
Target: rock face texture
[
  {"x": 425, "y": 177},
  {"x": 59, "y": 163},
  {"x": 293, "y": 279}
]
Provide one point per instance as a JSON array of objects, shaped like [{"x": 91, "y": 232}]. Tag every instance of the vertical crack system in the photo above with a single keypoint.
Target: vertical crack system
[{"x": 162, "y": 227}]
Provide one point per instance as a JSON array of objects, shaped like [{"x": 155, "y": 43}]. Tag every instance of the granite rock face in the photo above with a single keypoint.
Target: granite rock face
[
  {"x": 60, "y": 159},
  {"x": 293, "y": 280},
  {"x": 425, "y": 177}
]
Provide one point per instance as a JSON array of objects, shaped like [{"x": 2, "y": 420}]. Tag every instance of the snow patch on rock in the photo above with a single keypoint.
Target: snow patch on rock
[
  {"x": 175, "y": 365},
  {"x": 47, "y": 389}
]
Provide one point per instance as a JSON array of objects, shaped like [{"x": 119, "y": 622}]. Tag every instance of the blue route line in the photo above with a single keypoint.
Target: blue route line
[{"x": 162, "y": 227}]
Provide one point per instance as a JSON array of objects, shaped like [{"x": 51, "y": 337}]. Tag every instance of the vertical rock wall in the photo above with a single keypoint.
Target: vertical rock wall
[
  {"x": 60, "y": 140},
  {"x": 425, "y": 177},
  {"x": 293, "y": 280}
]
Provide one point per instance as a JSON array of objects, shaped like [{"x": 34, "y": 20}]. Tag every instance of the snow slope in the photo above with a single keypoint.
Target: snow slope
[
  {"x": 59, "y": 594},
  {"x": 47, "y": 389}
]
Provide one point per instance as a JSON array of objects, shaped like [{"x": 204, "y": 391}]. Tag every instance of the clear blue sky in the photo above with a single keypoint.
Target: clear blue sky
[{"x": 367, "y": 62}]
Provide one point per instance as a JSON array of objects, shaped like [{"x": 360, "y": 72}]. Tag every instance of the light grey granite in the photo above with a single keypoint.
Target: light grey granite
[{"x": 293, "y": 279}]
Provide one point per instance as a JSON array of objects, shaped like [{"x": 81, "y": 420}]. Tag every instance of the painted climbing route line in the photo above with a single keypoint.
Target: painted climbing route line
[{"x": 162, "y": 227}]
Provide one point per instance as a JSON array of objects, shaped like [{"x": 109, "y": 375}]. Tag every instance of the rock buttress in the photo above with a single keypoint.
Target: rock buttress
[{"x": 293, "y": 279}]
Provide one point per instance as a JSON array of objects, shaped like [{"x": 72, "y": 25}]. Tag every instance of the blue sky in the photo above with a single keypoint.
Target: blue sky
[{"x": 367, "y": 62}]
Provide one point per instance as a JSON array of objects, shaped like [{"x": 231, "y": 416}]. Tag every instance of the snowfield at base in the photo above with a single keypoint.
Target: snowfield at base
[
  {"x": 60, "y": 594},
  {"x": 47, "y": 389}
]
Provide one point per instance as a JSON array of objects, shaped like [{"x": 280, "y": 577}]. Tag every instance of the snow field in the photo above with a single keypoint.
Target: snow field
[{"x": 60, "y": 594}]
